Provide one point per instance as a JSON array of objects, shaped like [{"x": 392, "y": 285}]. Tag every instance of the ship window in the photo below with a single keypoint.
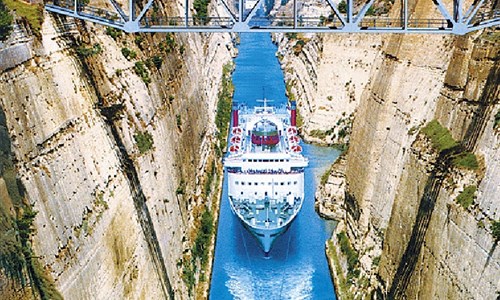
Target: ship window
[
  {"x": 295, "y": 182},
  {"x": 242, "y": 193},
  {"x": 242, "y": 183},
  {"x": 255, "y": 183},
  {"x": 255, "y": 193},
  {"x": 289, "y": 183},
  {"x": 282, "y": 183},
  {"x": 275, "y": 183},
  {"x": 281, "y": 160},
  {"x": 276, "y": 193},
  {"x": 269, "y": 183},
  {"x": 249, "y": 183},
  {"x": 237, "y": 182}
]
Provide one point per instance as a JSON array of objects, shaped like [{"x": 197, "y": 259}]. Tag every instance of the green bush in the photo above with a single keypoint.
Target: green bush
[
  {"x": 129, "y": 54},
  {"x": 178, "y": 120},
  {"x": 352, "y": 256},
  {"x": 497, "y": 120},
  {"x": 33, "y": 13},
  {"x": 201, "y": 7},
  {"x": 140, "y": 69},
  {"x": 89, "y": 51},
  {"x": 180, "y": 189},
  {"x": 157, "y": 61},
  {"x": 223, "y": 114},
  {"x": 324, "y": 177},
  {"x": 342, "y": 7},
  {"x": 495, "y": 230},
  {"x": 144, "y": 141},
  {"x": 466, "y": 197},
  {"x": 202, "y": 240},
  {"x": 113, "y": 32},
  {"x": 440, "y": 136},
  {"x": 466, "y": 160},
  {"x": 5, "y": 22}
]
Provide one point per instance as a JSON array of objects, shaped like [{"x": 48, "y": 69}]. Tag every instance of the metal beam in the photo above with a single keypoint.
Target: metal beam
[{"x": 459, "y": 23}]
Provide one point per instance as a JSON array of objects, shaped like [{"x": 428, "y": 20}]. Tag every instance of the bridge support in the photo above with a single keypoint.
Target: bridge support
[{"x": 353, "y": 20}]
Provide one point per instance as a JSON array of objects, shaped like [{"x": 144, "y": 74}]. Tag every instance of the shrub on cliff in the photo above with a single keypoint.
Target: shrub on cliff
[
  {"x": 497, "y": 120},
  {"x": 351, "y": 254},
  {"x": 440, "y": 136},
  {"x": 144, "y": 141},
  {"x": 466, "y": 197},
  {"x": 201, "y": 7},
  {"x": 5, "y": 22},
  {"x": 32, "y": 13},
  {"x": 140, "y": 69},
  {"x": 466, "y": 160},
  {"x": 495, "y": 230}
]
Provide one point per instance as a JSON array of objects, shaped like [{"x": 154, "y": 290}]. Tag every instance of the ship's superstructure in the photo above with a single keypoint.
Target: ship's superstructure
[{"x": 265, "y": 170}]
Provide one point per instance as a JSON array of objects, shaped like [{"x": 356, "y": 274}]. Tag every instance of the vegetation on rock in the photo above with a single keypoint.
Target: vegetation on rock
[
  {"x": 495, "y": 230},
  {"x": 342, "y": 284},
  {"x": 466, "y": 160},
  {"x": 201, "y": 7},
  {"x": 497, "y": 120},
  {"x": 87, "y": 51},
  {"x": 440, "y": 136},
  {"x": 223, "y": 115},
  {"x": 144, "y": 141},
  {"x": 129, "y": 54},
  {"x": 140, "y": 69},
  {"x": 32, "y": 13},
  {"x": 5, "y": 22},
  {"x": 113, "y": 32},
  {"x": 199, "y": 251},
  {"x": 351, "y": 254},
  {"x": 466, "y": 197}
]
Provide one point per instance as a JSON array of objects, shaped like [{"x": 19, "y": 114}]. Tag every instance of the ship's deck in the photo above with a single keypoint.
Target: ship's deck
[{"x": 266, "y": 213}]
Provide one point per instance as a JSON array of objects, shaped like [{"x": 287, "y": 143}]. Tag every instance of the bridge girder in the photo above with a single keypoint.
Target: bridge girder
[{"x": 241, "y": 16}]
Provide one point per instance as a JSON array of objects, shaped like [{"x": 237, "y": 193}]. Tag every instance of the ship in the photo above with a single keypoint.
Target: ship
[{"x": 265, "y": 169}]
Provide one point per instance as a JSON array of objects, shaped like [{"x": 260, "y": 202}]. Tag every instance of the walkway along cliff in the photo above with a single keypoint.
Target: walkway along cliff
[
  {"x": 416, "y": 193},
  {"x": 116, "y": 147}
]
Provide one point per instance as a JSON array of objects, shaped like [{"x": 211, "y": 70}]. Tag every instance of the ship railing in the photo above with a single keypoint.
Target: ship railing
[{"x": 267, "y": 171}]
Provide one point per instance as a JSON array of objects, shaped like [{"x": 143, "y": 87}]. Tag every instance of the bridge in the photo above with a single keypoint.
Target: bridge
[{"x": 318, "y": 16}]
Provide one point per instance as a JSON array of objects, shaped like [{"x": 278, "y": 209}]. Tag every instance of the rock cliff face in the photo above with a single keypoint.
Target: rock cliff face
[
  {"x": 112, "y": 149},
  {"x": 404, "y": 229},
  {"x": 327, "y": 74}
]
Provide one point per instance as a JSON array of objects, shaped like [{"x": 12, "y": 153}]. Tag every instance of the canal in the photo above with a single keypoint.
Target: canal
[{"x": 296, "y": 267}]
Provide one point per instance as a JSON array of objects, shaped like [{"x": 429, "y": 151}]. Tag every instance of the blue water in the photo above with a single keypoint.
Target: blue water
[{"x": 296, "y": 267}]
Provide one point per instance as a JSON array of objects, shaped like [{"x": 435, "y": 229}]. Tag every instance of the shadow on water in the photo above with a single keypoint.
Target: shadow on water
[{"x": 296, "y": 267}]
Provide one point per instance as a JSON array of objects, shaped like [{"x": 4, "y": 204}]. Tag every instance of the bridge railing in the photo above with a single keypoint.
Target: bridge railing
[
  {"x": 146, "y": 19},
  {"x": 214, "y": 22}
]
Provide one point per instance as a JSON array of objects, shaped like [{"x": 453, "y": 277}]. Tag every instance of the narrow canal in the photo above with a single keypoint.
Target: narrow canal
[{"x": 296, "y": 267}]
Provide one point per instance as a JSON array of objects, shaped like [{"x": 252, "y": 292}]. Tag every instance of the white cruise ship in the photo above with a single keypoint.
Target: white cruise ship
[{"x": 265, "y": 170}]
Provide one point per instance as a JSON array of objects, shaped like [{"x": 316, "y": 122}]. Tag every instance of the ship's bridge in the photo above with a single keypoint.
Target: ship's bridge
[{"x": 265, "y": 133}]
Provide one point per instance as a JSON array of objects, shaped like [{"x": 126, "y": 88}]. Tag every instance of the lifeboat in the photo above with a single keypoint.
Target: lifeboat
[
  {"x": 294, "y": 139},
  {"x": 234, "y": 148},
  {"x": 291, "y": 131},
  {"x": 237, "y": 131},
  {"x": 236, "y": 139},
  {"x": 296, "y": 149}
]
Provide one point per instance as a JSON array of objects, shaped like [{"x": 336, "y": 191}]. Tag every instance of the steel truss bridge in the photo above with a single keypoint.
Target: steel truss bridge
[{"x": 350, "y": 16}]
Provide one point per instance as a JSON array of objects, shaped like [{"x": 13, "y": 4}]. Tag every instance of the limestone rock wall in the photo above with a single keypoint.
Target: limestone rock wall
[
  {"x": 111, "y": 222},
  {"x": 399, "y": 197},
  {"x": 327, "y": 76}
]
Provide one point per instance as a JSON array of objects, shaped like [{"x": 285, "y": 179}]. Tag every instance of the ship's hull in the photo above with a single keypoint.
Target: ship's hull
[{"x": 265, "y": 237}]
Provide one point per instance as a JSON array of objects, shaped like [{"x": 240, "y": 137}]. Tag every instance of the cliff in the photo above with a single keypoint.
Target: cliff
[
  {"x": 114, "y": 138},
  {"x": 416, "y": 198}
]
